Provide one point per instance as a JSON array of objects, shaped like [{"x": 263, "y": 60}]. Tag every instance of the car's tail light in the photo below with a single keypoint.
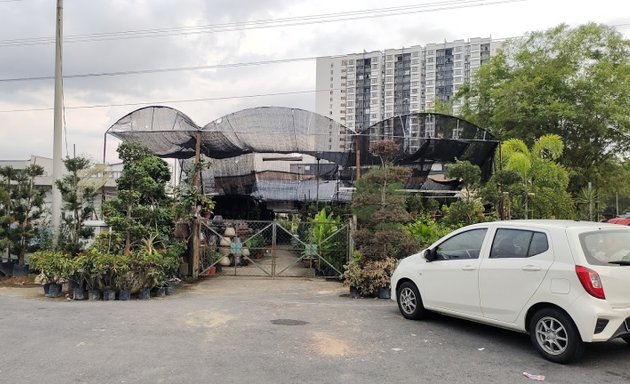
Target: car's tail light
[{"x": 590, "y": 281}]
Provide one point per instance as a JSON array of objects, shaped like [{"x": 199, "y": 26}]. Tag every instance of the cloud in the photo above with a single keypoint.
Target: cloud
[{"x": 26, "y": 133}]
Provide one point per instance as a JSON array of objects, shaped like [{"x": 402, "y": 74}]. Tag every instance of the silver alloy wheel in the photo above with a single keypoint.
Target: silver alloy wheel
[
  {"x": 408, "y": 300},
  {"x": 551, "y": 335}
]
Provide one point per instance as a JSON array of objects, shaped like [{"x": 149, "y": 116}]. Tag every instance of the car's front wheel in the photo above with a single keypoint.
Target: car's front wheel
[
  {"x": 555, "y": 336},
  {"x": 410, "y": 302}
]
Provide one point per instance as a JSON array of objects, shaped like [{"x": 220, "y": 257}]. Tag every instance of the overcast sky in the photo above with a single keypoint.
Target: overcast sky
[{"x": 94, "y": 103}]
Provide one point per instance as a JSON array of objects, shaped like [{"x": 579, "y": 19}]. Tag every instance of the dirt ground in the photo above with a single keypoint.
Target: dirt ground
[{"x": 19, "y": 281}]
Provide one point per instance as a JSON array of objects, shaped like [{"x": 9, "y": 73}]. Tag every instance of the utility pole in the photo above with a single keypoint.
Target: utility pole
[
  {"x": 196, "y": 227},
  {"x": 57, "y": 129}
]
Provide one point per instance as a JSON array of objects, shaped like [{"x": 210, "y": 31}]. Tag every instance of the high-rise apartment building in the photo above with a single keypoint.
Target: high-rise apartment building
[{"x": 361, "y": 89}]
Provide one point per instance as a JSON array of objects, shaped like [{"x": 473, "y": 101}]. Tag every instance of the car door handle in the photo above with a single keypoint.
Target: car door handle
[
  {"x": 468, "y": 268},
  {"x": 531, "y": 268}
]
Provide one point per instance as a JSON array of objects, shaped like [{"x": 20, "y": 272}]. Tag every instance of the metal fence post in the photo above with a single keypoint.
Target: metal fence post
[{"x": 274, "y": 234}]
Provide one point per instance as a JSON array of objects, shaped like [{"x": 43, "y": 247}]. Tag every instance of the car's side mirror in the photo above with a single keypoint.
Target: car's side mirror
[{"x": 430, "y": 255}]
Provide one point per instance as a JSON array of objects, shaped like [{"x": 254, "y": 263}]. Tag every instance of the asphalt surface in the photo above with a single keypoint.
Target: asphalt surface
[{"x": 254, "y": 330}]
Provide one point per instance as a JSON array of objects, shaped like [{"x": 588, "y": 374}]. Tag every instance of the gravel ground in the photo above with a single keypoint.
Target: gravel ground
[{"x": 258, "y": 330}]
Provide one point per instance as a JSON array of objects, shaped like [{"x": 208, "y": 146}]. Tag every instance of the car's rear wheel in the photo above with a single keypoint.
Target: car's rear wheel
[
  {"x": 555, "y": 336},
  {"x": 410, "y": 302}
]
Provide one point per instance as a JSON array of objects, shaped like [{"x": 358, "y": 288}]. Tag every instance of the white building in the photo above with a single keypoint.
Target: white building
[
  {"x": 361, "y": 89},
  {"x": 106, "y": 183}
]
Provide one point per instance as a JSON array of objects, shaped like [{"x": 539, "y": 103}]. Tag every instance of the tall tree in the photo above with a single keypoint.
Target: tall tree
[
  {"x": 141, "y": 209},
  {"x": 78, "y": 194},
  {"x": 21, "y": 209},
  {"x": 381, "y": 213},
  {"x": 571, "y": 82},
  {"x": 544, "y": 181}
]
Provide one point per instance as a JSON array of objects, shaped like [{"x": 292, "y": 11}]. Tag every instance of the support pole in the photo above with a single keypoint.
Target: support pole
[
  {"x": 317, "y": 191},
  {"x": 105, "y": 174},
  {"x": 357, "y": 156},
  {"x": 196, "y": 229},
  {"x": 57, "y": 126}
]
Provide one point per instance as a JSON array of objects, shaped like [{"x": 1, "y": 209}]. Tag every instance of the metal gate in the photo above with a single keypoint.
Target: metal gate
[{"x": 280, "y": 248}]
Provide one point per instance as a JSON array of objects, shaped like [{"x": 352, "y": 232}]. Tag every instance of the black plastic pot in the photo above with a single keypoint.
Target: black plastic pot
[
  {"x": 6, "y": 269},
  {"x": 20, "y": 270},
  {"x": 169, "y": 289},
  {"x": 46, "y": 289},
  {"x": 354, "y": 292},
  {"x": 109, "y": 294},
  {"x": 78, "y": 293},
  {"x": 384, "y": 293},
  {"x": 94, "y": 294},
  {"x": 124, "y": 295},
  {"x": 54, "y": 290},
  {"x": 144, "y": 294},
  {"x": 159, "y": 291}
]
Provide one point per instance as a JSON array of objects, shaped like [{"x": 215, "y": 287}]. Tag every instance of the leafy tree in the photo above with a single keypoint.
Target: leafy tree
[
  {"x": 443, "y": 107},
  {"x": 141, "y": 208},
  {"x": 569, "y": 82},
  {"x": 468, "y": 174},
  {"x": 78, "y": 194},
  {"x": 191, "y": 200},
  {"x": 543, "y": 181},
  {"x": 503, "y": 184},
  {"x": 470, "y": 209},
  {"x": 21, "y": 208},
  {"x": 589, "y": 204},
  {"x": 380, "y": 207}
]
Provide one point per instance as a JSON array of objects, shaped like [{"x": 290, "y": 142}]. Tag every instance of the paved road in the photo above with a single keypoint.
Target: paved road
[{"x": 234, "y": 330}]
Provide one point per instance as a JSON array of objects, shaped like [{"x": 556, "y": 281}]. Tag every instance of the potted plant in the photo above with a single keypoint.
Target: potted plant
[
  {"x": 255, "y": 246},
  {"x": 106, "y": 269},
  {"x": 353, "y": 275},
  {"x": 91, "y": 266},
  {"x": 172, "y": 256},
  {"x": 55, "y": 266},
  {"x": 377, "y": 275},
  {"x": 124, "y": 277},
  {"x": 77, "y": 277}
]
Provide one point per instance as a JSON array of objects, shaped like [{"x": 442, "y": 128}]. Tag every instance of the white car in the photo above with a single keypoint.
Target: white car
[{"x": 565, "y": 283}]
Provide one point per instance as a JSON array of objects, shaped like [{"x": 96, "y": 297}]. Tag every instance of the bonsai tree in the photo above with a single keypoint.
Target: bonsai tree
[
  {"x": 468, "y": 209},
  {"x": 381, "y": 213},
  {"x": 142, "y": 205},
  {"x": 21, "y": 209},
  {"x": 78, "y": 192}
]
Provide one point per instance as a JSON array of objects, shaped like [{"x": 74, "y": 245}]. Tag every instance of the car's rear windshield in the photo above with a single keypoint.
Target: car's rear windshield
[{"x": 606, "y": 247}]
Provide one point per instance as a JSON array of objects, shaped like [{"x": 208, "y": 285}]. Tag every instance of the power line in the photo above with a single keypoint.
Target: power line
[
  {"x": 160, "y": 70},
  {"x": 94, "y": 106},
  {"x": 266, "y": 23},
  {"x": 205, "y": 67}
]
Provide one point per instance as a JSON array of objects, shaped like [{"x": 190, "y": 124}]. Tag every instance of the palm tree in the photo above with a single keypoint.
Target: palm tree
[{"x": 545, "y": 181}]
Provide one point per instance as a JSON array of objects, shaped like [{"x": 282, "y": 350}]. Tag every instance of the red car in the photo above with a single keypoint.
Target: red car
[{"x": 620, "y": 220}]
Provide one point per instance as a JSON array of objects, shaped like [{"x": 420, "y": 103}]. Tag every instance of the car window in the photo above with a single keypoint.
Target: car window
[
  {"x": 539, "y": 244},
  {"x": 517, "y": 243},
  {"x": 602, "y": 247},
  {"x": 465, "y": 245}
]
